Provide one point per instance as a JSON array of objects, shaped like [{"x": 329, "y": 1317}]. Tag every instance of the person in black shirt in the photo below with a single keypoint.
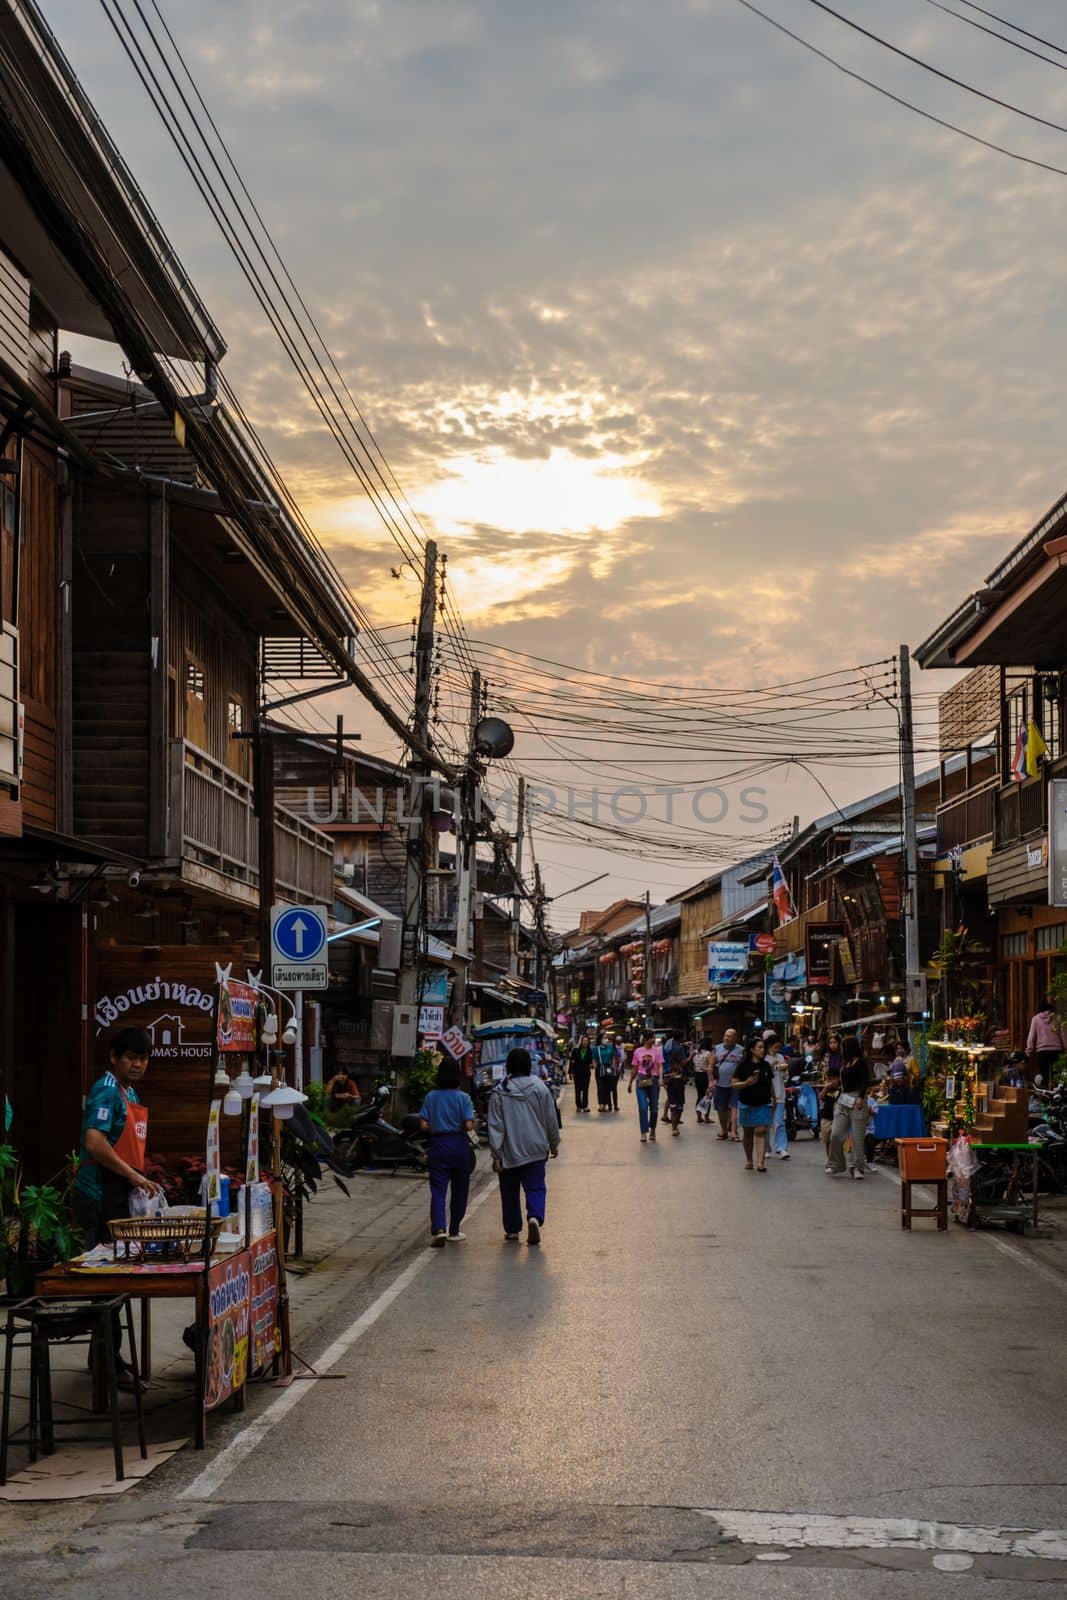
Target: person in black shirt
[
  {"x": 580, "y": 1070},
  {"x": 850, "y": 1113},
  {"x": 830, "y": 1091},
  {"x": 754, "y": 1083}
]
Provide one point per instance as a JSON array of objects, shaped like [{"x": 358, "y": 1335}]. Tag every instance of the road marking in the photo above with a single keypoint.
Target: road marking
[
  {"x": 801, "y": 1531},
  {"x": 214, "y": 1475}
]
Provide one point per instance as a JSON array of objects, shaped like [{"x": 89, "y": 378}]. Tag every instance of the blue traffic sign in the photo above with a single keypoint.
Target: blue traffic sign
[{"x": 299, "y": 933}]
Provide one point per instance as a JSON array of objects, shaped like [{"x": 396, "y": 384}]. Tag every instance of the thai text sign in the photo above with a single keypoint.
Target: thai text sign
[
  {"x": 229, "y": 1294},
  {"x": 237, "y": 1015},
  {"x": 266, "y": 1332},
  {"x": 727, "y": 960},
  {"x": 821, "y": 940}
]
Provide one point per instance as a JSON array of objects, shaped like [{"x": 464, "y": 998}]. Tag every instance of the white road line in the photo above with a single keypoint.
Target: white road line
[
  {"x": 995, "y": 1242},
  {"x": 801, "y": 1531},
  {"x": 214, "y": 1475}
]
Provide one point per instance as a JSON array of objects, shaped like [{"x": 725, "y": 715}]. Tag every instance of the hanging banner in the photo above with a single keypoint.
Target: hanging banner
[
  {"x": 229, "y": 1297},
  {"x": 252, "y": 1157},
  {"x": 821, "y": 939},
  {"x": 776, "y": 1000},
  {"x": 727, "y": 960},
  {"x": 266, "y": 1333},
  {"x": 213, "y": 1186},
  {"x": 848, "y": 965},
  {"x": 236, "y": 1029}
]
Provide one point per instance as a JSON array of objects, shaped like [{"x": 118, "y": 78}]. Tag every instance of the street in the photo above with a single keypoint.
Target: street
[{"x": 689, "y": 1338}]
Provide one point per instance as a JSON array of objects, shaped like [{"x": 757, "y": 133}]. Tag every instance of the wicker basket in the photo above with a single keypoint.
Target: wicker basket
[{"x": 165, "y": 1238}]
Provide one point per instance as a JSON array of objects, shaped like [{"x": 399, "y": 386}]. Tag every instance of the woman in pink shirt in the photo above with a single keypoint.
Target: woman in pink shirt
[
  {"x": 1045, "y": 1039},
  {"x": 646, "y": 1069}
]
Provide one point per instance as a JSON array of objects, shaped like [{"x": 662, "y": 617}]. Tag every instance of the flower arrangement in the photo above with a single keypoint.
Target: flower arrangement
[{"x": 966, "y": 1030}]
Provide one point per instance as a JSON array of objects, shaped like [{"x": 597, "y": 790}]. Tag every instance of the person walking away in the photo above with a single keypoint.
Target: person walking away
[
  {"x": 605, "y": 1067},
  {"x": 827, "y": 1102},
  {"x": 726, "y": 1058},
  {"x": 755, "y": 1088},
  {"x": 778, "y": 1139},
  {"x": 523, "y": 1136},
  {"x": 448, "y": 1115},
  {"x": 645, "y": 1070},
  {"x": 702, "y": 1077},
  {"x": 112, "y": 1153},
  {"x": 674, "y": 1083},
  {"x": 850, "y": 1113},
  {"x": 1045, "y": 1039},
  {"x": 580, "y": 1071}
]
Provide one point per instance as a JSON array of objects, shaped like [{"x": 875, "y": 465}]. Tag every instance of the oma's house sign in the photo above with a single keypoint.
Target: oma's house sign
[{"x": 176, "y": 1011}]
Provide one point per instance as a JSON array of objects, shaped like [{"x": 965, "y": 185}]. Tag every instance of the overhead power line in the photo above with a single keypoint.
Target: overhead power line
[
  {"x": 899, "y": 100},
  {"x": 1015, "y": 44}
]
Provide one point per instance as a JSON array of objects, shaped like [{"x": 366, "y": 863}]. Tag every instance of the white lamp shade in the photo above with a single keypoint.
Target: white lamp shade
[
  {"x": 289, "y": 1036},
  {"x": 282, "y": 1100},
  {"x": 264, "y": 1081},
  {"x": 231, "y": 1105},
  {"x": 222, "y": 1077},
  {"x": 244, "y": 1084}
]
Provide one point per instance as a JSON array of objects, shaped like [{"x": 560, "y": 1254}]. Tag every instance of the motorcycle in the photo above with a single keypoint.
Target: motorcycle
[
  {"x": 801, "y": 1105},
  {"x": 370, "y": 1141}
]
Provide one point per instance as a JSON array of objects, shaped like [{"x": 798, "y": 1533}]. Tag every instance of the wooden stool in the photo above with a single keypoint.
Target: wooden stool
[
  {"x": 74, "y": 1322},
  {"x": 940, "y": 1210}
]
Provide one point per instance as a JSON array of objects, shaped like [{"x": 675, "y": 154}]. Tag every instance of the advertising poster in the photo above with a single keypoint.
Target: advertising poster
[
  {"x": 237, "y": 1015},
  {"x": 252, "y": 1157},
  {"x": 213, "y": 1154},
  {"x": 727, "y": 961},
  {"x": 229, "y": 1292},
  {"x": 266, "y": 1331}
]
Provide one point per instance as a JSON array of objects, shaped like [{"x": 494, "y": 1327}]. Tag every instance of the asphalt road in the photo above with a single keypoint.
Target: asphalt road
[{"x": 690, "y": 1342}]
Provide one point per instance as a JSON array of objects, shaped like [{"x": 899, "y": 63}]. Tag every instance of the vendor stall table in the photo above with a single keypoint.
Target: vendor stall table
[
  {"x": 167, "y": 1281},
  {"x": 899, "y": 1122},
  {"x": 967, "y": 1209}
]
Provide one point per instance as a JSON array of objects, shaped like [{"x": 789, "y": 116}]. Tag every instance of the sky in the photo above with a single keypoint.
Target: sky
[{"x": 706, "y": 365}]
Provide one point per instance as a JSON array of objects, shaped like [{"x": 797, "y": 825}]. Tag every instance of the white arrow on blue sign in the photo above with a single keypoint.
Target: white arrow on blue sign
[{"x": 298, "y": 936}]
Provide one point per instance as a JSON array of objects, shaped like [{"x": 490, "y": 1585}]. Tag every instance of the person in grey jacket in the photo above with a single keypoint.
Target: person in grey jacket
[{"x": 523, "y": 1134}]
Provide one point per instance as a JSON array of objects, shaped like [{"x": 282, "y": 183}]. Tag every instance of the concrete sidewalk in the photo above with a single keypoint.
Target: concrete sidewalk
[{"x": 346, "y": 1242}]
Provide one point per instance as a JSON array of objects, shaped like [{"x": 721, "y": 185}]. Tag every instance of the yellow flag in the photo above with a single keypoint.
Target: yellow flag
[{"x": 1035, "y": 748}]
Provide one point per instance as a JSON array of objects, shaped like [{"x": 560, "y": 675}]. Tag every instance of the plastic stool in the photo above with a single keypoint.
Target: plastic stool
[{"x": 42, "y": 1323}]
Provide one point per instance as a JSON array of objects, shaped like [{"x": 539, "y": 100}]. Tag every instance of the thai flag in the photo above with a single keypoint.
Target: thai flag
[{"x": 783, "y": 900}]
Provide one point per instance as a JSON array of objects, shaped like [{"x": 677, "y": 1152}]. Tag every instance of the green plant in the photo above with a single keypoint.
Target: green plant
[
  {"x": 35, "y": 1220},
  {"x": 421, "y": 1078}
]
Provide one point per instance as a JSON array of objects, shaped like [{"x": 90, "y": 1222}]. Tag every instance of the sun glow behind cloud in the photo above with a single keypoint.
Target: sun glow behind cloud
[{"x": 558, "y": 493}]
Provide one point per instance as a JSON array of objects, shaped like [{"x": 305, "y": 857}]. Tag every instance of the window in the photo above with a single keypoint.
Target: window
[
  {"x": 1049, "y": 939},
  {"x": 194, "y": 680},
  {"x": 235, "y": 715},
  {"x": 239, "y": 755},
  {"x": 1012, "y": 945}
]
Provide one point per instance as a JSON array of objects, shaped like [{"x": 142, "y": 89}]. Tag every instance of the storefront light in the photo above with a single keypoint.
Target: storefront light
[
  {"x": 283, "y": 1100},
  {"x": 232, "y": 1103},
  {"x": 245, "y": 1084}
]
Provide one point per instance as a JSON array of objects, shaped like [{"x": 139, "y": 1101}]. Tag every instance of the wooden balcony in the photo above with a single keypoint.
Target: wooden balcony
[
  {"x": 213, "y": 827},
  {"x": 1022, "y": 809},
  {"x": 9, "y": 698},
  {"x": 791, "y": 938},
  {"x": 967, "y": 818}
]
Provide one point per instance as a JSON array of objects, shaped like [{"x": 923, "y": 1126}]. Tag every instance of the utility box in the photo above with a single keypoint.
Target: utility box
[{"x": 404, "y": 1021}]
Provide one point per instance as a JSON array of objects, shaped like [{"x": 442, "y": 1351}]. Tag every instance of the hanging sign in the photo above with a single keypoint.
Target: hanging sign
[
  {"x": 236, "y": 1025},
  {"x": 431, "y": 1021},
  {"x": 252, "y": 1158},
  {"x": 456, "y": 1045},
  {"x": 821, "y": 940},
  {"x": 213, "y": 1186},
  {"x": 266, "y": 1334},
  {"x": 727, "y": 960}
]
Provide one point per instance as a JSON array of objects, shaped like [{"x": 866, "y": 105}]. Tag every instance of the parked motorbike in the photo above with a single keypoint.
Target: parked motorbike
[
  {"x": 801, "y": 1105},
  {"x": 371, "y": 1141}
]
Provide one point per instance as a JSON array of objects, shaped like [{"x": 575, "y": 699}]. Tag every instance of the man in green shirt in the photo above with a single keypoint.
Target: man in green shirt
[{"x": 114, "y": 1130}]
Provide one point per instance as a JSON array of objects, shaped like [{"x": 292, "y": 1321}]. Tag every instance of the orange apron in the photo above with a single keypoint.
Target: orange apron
[{"x": 130, "y": 1144}]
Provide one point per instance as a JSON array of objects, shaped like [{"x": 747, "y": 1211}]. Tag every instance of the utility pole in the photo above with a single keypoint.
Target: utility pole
[
  {"x": 516, "y": 898},
  {"x": 414, "y": 933},
  {"x": 467, "y": 851},
  {"x": 913, "y": 978},
  {"x": 648, "y": 959}
]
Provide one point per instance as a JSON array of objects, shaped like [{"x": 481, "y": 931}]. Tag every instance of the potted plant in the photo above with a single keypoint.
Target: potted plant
[{"x": 36, "y": 1229}]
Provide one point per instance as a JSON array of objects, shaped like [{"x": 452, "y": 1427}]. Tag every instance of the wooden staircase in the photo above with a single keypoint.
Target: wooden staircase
[{"x": 1004, "y": 1117}]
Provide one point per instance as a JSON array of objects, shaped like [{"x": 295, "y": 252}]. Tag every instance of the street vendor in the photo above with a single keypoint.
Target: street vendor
[{"x": 111, "y": 1159}]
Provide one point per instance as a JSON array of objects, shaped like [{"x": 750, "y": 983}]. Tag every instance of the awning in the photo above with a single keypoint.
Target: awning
[
  {"x": 496, "y": 994},
  {"x": 741, "y": 920}
]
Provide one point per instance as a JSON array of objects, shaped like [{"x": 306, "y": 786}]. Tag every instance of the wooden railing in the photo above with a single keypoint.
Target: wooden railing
[
  {"x": 792, "y": 936},
  {"x": 9, "y": 697},
  {"x": 213, "y": 822},
  {"x": 1021, "y": 810},
  {"x": 967, "y": 818}
]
